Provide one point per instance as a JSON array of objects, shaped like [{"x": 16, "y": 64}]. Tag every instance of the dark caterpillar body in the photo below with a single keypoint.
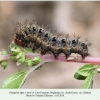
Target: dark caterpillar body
[{"x": 35, "y": 37}]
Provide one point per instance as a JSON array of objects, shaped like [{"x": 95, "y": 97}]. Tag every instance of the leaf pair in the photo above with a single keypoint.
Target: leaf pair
[{"x": 86, "y": 73}]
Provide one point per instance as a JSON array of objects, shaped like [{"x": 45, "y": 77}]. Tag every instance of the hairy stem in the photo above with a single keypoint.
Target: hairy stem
[{"x": 61, "y": 58}]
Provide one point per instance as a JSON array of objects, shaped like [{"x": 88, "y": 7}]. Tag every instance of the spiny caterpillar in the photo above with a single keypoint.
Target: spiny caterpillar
[{"x": 36, "y": 37}]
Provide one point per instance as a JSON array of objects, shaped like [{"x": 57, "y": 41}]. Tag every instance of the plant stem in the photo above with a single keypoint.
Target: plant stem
[
  {"x": 61, "y": 58},
  {"x": 35, "y": 67}
]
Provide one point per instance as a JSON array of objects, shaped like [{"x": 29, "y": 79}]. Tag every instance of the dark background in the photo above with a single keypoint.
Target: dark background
[{"x": 82, "y": 18}]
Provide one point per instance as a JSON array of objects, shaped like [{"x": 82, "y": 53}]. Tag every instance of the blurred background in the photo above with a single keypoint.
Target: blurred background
[{"x": 81, "y": 18}]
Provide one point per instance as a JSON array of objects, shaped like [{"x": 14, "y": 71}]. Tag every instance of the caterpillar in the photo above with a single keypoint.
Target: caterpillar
[{"x": 38, "y": 37}]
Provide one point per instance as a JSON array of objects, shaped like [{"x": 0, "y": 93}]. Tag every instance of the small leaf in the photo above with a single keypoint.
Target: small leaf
[
  {"x": 4, "y": 64},
  {"x": 29, "y": 50},
  {"x": 79, "y": 77},
  {"x": 36, "y": 60},
  {"x": 12, "y": 45},
  {"x": 12, "y": 57},
  {"x": 88, "y": 83},
  {"x": 20, "y": 55},
  {"x": 86, "y": 70},
  {"x": 33, "y": 62},
  {"x": 98, "y": 70},
  {"x": 29, "y": 62},
  {"x": 21, "y": 60},
  {"x": 15, "y": 81},
  {"x": 15, "y": 50},
  {"x": 3, "y": 52}
]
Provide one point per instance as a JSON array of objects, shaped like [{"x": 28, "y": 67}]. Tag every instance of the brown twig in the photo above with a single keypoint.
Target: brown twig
[{"x": 61, "y": 58}]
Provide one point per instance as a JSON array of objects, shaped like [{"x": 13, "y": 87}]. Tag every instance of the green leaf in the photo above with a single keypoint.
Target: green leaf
[
  {"x": 3, "y": 52},
  {"x": 22, "y": 68},
  {"x": 86, "y": 69},
  {"x": 29, "y": 50},
  {"x": 98, "y": 69},
  {"x": 4, "y": 64},
  {"x": 21, "y": 60},
  {"x": 79, "y": 77},
  {"x": 20, "y": 57},
  {"x": 36, "y": 60},
  {"x": 88, "y": 83},
  {"x": 12, "y": 57},
  {"x": 29, "y": 62},
  {"x": 33, "y": 62},
  {"x": 14, "y": 49},
  {"x": 15, "y": 81}
]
